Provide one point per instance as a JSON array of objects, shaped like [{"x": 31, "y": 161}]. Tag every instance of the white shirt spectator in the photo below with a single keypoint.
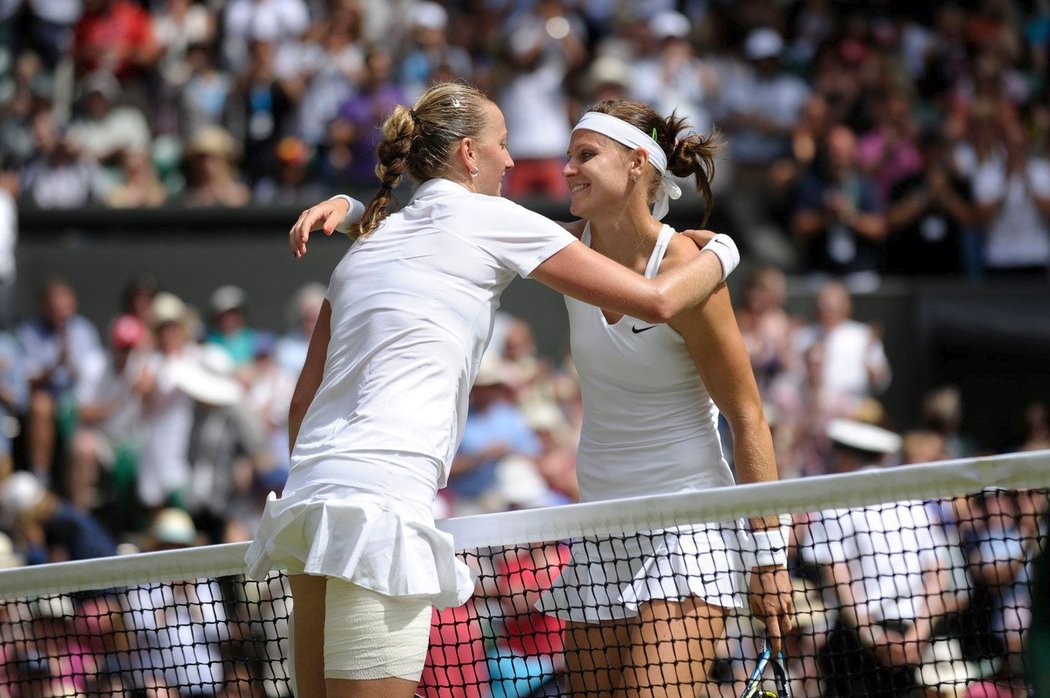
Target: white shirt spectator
[
  {"x": 537, "y": 113},
  {"x": 1018, "y": 236},
  {"x": 779, "y": 99},
  {"x": 123, "y": 128},
  {"x": 270, "y": 20},
  {"x": 853, "y": 354},
  {"x": 897, "y": 536}
]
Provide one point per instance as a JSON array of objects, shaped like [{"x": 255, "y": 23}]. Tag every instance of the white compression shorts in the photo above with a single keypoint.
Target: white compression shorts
[{"x": 368, "y": 635}]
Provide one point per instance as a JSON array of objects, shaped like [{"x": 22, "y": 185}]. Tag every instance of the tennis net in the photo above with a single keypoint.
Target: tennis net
[{"x": 907, "y": 581}]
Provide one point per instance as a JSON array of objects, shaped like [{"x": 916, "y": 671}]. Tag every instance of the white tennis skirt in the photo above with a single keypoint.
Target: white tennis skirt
[
  {"x": 375, "y": 529},
  {"x": 609, "y": 578}
]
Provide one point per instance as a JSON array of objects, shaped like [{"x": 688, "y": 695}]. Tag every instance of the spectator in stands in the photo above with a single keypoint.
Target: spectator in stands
[
  {"x": 302, "y": 312},
  {"x": 137, "y": 184},
  {"x": 672, "y": 78},
  {"x": 202, "y": 97},
  {"x": 838, "y": 219},
  {"x": 330, "y": 63},
  {"x": 164, "y": 468},
  {"x": 1013, "y": 205},
  {"x": 226, "y": 447},
  {"x": 293, "y": 180},
  {"x": 928, "y": 215},
  {"x": 245, "y": 21},
  {"x": 104, "y": 130},
  {"x": 942, "y": 413},
  {"x": 854, "y": 364},
  {"x": 766, "y": 326},
  {"x": 544, "y": 45},
  {"x": 48, "y": 528},
  {"x": 1000, "y": 548},
  {"x": 178, "y": 25},
  {"x": 527, "y": 653},
  {"x": 31, "y": 92},
  {"x": 495, "y": 429},
  {"x": 115, "y": 36},
  {"x": 364, "y": 113},
  {"x": 211, "y": 176},
  {"x": 269, "y": 395},
  {"x": 1037, "y": 424},
  {"x": 261, "y": 110},
  {"x": 760, "y": 108},
  {"x": 430, "y": 51},
  {"x": 179, "y": 626},
  {"x": 60, "y": 175},
  {"x": 888, "y": 152},
  {"x": 108, "y": 432},
  {"x": 57, "y": 345},
  {"x": 136, "y": 299},
  {"x": 885, "y": 622},
  {"x": 229, "y": 324}
]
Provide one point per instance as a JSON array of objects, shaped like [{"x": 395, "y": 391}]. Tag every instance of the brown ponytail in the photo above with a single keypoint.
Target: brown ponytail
[
  {"x": 420, "y": 141},
  {"x": 692, "y": 155}
]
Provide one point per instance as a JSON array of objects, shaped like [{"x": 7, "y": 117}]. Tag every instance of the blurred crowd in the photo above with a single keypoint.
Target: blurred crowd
[
  {"x": 167, "y": 429},
  {"x": 860, "y": 138}
]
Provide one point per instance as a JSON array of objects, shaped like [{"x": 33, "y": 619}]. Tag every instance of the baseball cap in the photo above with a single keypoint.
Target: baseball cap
[
  {"x": 173, "y": 527},
  {"x": 863, "y": 436},
  {"x": 763, "y": 43},
  {"x": 227, "y": 298}
]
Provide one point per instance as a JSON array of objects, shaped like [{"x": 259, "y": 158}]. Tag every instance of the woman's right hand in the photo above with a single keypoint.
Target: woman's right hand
[{"x": 325, "y": 216}]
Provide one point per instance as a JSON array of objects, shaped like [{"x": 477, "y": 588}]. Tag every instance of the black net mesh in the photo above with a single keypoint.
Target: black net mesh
[{"x": 916, "y": 598}]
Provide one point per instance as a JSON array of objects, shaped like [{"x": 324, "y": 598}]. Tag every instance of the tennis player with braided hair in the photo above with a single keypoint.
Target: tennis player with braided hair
[
  {"x": 647, "y": 625},
  {"x": 380, "y": 404}
]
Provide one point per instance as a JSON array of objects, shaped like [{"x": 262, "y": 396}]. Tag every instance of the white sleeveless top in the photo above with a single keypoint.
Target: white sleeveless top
[{"x": 649, "y": 424}]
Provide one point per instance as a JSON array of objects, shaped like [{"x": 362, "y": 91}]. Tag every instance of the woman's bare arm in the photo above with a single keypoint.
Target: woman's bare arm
[{"x": 310, "y": 376}]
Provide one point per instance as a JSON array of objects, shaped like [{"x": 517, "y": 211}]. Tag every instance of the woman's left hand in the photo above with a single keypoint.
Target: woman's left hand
[
  {"x": 700, "y": 237},
  {"x": 770, "y": 597}
]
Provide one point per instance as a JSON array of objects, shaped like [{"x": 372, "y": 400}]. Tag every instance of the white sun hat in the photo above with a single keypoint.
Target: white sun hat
[
  {"x": 208, "y": 377},
  {"x": 863, "y": 436},
  {"x": 19, "y": 492}
]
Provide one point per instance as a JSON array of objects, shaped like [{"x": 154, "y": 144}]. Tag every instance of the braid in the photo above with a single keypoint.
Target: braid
[
  {"x": 392, "y": 152},
  {"x": 419, "y": 141}
]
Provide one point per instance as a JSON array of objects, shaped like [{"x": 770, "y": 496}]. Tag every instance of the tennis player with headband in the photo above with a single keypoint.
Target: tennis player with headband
[
  {"x": 647, "y": 625},
  {"x": 380, "y": 404}
]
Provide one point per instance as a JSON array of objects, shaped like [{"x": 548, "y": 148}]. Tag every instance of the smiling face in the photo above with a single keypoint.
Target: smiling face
[
  {"x": 491, "y": 154},
  {"x": 598, "y": 173}
]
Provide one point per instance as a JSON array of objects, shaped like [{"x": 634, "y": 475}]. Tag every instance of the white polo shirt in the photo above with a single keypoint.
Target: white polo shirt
[{"x": 412, "y": 311}]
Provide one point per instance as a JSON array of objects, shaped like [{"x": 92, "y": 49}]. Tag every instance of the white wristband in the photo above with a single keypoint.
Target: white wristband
[
  {"x": 771, "y": 544},
  {"x": 354, "y": 212},
  {"x": 725, "y": 249}
]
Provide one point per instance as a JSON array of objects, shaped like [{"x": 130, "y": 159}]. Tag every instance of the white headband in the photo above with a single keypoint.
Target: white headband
[{"x": 633, "y": 137}]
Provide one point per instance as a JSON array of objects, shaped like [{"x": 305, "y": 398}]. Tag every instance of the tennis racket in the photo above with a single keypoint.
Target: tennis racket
[{"x": 753, "y": 688}]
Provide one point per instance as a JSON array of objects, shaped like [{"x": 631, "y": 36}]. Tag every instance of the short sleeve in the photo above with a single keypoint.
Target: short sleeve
[{"x": 519, "y": 238}]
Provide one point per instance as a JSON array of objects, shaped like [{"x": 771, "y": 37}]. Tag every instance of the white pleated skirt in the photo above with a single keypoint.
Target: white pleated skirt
[
  {"x": 609, "y": 578},
  {"x": 370, "y": 523}
]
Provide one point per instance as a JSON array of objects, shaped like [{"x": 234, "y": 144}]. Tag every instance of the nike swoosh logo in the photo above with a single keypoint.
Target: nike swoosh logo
[{"x": 639, "y": 330}]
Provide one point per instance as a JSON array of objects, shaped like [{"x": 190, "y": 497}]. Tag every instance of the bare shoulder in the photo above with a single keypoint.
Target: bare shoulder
[{"x": 680, "y": 250}]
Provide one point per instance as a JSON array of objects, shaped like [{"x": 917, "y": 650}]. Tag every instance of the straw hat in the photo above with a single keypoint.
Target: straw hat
[
  {"x": 212, "y": 140},
  {"x": 167, "y": 308},
  {"x": 209, "y": 377}
]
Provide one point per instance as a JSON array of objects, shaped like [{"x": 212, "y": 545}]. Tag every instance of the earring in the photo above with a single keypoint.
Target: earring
[
  {"x": 634, "y": 177},
  {"x": 474, "y": 172}
]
